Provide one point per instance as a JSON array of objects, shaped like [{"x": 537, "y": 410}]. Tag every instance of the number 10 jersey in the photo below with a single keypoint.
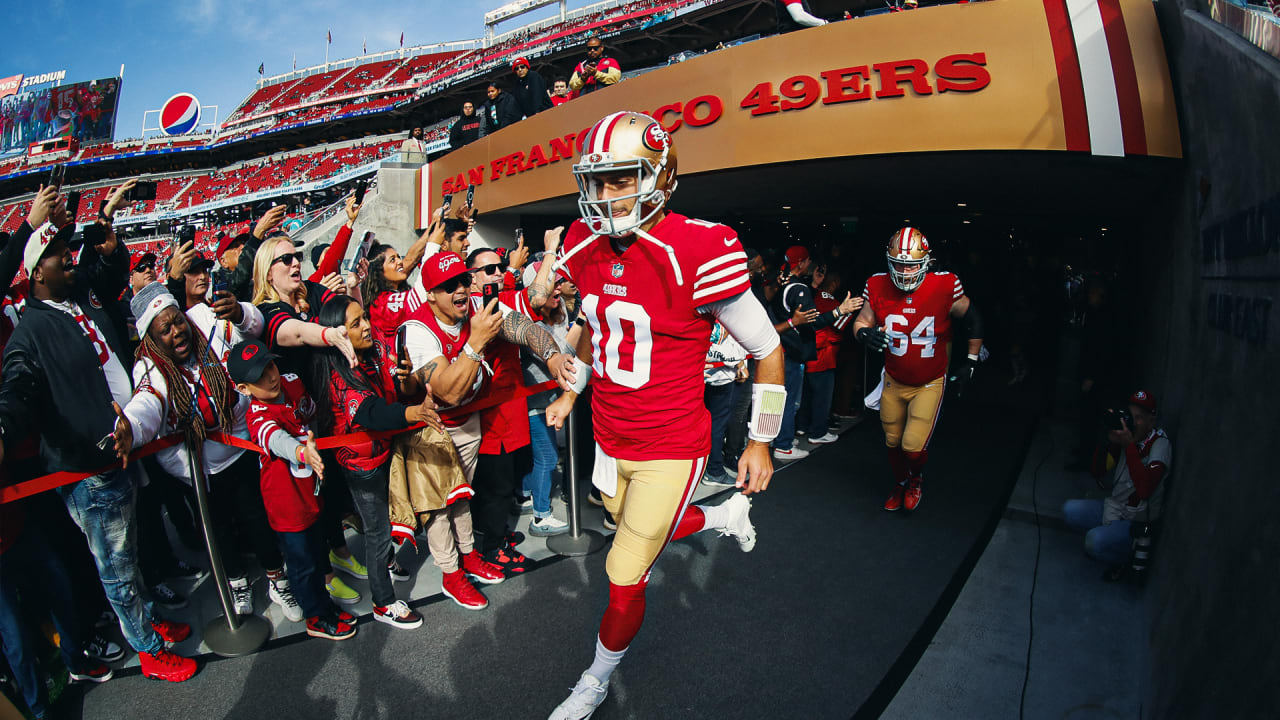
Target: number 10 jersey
[
  {"x": 648, "y": 340},
  {"x": 918, "y": 324}
]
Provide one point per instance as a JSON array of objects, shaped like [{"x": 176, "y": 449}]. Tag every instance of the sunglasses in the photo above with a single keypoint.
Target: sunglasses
[
  {"x": 288, "y": 258},
  {"x": 144, "y": 267},
  {"x": 489, "y": 269},
  {"x": 450, "y": 285}
]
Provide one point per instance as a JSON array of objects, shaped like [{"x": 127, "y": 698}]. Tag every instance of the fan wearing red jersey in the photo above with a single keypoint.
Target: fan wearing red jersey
[
  {"x": 907, "y": 316},
  {"x": 652, "y": 285}
]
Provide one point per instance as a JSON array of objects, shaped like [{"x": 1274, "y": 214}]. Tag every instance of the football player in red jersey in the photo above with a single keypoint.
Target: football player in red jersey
[
  {"x": 908, "y": 316},
  {"x": 652, "y": 285}
]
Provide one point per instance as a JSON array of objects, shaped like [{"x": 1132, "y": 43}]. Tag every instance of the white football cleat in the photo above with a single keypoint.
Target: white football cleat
[
  {"x": 583, "y": 700},
  {"x": 739, "y": 523}
]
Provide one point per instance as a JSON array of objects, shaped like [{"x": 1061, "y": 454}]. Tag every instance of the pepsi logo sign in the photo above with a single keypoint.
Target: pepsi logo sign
[{"x": 180, "y": 114}]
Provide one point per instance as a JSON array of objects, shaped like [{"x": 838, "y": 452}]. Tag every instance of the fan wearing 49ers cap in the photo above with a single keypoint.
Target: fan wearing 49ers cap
[
  {"x": 908, "y": 317},
  {"x": 652, "y": 285}
]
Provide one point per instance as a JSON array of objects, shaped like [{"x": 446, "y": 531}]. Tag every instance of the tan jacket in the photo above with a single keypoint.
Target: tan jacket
[{"x": 426, "y": 475}]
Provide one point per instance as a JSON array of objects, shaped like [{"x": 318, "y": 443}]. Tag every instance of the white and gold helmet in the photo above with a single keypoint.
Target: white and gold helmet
[
  {"x": 625, "y": 142},
  {"x": 909, "y": 258}
]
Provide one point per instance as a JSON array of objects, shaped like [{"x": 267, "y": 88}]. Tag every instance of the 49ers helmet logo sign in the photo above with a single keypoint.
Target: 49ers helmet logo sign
[
  {"x": 180, "y": 114},
  {"x": 655, "y": 138}
]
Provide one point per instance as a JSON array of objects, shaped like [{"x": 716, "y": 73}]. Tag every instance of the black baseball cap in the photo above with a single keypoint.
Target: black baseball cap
[
  {"x": 200, "y": 264},
  {"x": 248, "y": 360}
]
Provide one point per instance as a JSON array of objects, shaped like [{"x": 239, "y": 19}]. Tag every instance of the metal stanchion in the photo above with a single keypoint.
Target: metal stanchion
[
  {"x": 231, "y": 635},
  {"x": 577, "y": 541}
]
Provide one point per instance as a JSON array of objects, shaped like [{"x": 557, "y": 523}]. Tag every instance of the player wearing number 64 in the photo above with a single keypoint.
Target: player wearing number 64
[
  {"x": 907, "y": 316},
  {"x": 653, "y": 283}
]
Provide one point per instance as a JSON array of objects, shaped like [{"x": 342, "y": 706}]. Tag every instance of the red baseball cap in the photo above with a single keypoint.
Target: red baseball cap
[
  {"x": 227, "y": 240},
  {"x": 518, "y": 62},
  {"x": 797, "y": 253},
  {"x": 441, "y": 268},
  {"x": 1143, "y": 399}
]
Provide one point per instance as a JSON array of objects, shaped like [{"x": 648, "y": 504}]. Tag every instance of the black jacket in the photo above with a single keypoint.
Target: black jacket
[
  {"x": 531, "y": 93},
  {"x": 53, "y": 385},
  {"x": 466, "y": 130},
  {"x": 799, "y": 344},
  {"x": 501, "y": 112}
]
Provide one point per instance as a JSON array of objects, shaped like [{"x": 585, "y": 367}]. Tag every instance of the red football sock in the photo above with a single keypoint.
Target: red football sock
[
  {"x": 623, "y": 617},
  {"x": 916, "y": 461},
  {"x": 693, "y": 521},
  {"x": 898, "y": 465}
]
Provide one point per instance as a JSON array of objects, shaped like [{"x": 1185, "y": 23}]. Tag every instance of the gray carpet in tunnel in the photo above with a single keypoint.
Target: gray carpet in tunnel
[{"x": 808, "y": 625}]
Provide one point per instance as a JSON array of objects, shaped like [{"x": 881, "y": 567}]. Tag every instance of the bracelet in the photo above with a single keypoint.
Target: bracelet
[
  {"x": 325, "y": 338},
  {"x": 471, "y": 353},
  {"x": 550, "y": 351},
  {"x": 791, "y": 323},
  {"x": 973, "y": 357},
  {"x": 302, "y": 454}
]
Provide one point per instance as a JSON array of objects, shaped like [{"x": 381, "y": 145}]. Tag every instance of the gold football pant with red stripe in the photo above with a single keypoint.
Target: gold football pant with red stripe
[
  {"x": 909, "y": 413},
  {"x": 651, "y": 499}
]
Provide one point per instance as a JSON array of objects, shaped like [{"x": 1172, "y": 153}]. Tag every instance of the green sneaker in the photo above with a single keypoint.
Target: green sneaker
[
  {"x": 350, "y": 566},
  {"x": 341, "y": 592}
]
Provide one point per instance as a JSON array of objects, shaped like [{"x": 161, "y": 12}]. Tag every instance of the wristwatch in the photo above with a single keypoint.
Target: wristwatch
[{"x": 547, "y": 355}]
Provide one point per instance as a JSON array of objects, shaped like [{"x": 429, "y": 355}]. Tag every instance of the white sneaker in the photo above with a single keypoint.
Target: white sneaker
[
  {"x": 583, "y": 700},
  {"x": 242, "y": 596},
  {"x": 794, "y": 453},
  {"x": 739, "y": 524},
  {"x": 283, "y": 596},
  {"x": 731, "y": 471},
  {"x": 548, "y": 526},
  {"x": 828, "y": 438}
]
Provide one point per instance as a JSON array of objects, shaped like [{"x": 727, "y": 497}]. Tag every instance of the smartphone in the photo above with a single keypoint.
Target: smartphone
[
  {"x": 57, "y": 174},
  {"x": 221, "y": 284},
  {"x": 363, "y": 251},
  {"x": 144, "y": 190},
  {"x": 73, "y": 204},
  {"x": 186, "y": 235},
  {"x": 519, "y": 236},
  {"x": 489, "y": 293},
  {"x": 402, "y": 345},
  {"x": 444, "y": 208},
  {"x": 471, "y": 195},
  {"x": 361, "y": 187}
]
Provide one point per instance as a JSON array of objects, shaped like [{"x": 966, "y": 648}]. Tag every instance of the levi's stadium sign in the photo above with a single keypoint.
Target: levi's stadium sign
[{"x": 971, "y": 77}]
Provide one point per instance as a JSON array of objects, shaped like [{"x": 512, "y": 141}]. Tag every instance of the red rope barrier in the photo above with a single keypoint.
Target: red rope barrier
[{"x": 58, "y": 479}]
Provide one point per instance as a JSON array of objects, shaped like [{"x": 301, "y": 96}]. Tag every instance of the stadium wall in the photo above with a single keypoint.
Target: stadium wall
[{"x": 1210, "y": 335}]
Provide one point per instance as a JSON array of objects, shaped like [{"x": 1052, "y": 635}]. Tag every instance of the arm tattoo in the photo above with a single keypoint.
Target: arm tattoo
[
  {"x": 519, "y": 329},
  {"x": 425, "y": 372},
  {"x": 538, "y": 294}
]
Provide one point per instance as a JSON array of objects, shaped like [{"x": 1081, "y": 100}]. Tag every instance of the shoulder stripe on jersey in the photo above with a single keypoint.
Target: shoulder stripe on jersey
[
  {"x": 265, "y": 431},
  {"x": 717, "y": 275},
  {"x": 739, "y": 280},
  {"x": 726, "y": 258}
]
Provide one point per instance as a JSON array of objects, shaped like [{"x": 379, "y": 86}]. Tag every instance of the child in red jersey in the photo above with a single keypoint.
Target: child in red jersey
[{"x": 292, "y": 471}]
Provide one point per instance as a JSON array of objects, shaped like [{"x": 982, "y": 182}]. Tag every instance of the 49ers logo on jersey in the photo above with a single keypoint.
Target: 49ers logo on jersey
[{"x": 655, "y": 138}]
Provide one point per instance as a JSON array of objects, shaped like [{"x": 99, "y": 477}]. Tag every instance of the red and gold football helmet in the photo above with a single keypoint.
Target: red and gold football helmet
[
  {"x": 625, "y": 142},
  {"x": 909, "y": 258}
]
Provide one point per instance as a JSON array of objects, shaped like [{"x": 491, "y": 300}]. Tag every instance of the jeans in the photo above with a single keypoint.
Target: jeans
[
  {"x": 719, "y": 400},
  {"x": 545, "y": 455},
  {"x": 103, "y": 507},
  {"x": 816, "y": 407},
  {"x": 795, "y": 386},
  {"x": 1108, "y": 543},
  {"x": 303, "y": 551},
  {"x": 369, "y": 491},
  {"x": 31, "y": 568},
  {"x": 735, "y": 440}
]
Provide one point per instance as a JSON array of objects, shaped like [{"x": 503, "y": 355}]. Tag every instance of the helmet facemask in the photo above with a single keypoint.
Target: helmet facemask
[
  {"x": 908, "y": 282},
  {"x": 598, "y": 212}
]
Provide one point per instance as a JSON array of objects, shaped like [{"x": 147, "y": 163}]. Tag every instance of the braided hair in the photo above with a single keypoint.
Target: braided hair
[{"x": 180, "y": 404}]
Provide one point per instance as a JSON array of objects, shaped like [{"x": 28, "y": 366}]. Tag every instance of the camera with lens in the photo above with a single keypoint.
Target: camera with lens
[{"x": 1118, "y": 418}]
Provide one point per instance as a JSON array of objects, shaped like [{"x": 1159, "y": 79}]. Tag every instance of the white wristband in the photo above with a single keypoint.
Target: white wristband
[
  {"x": 973, "y": 357},
  {"x": 768, "y": 402},
  {"x": 582, "y": 375},
  {"x": 471, "y": 353}
]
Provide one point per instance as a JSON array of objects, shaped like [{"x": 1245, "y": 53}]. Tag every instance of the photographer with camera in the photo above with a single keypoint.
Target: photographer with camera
[
  {"x": 1143, "y": 455},
  {"x": 596, "y": 71}
]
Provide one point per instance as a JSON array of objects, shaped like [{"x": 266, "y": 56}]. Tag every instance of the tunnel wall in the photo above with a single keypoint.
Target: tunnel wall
[{"x": 1208, "y": 335}]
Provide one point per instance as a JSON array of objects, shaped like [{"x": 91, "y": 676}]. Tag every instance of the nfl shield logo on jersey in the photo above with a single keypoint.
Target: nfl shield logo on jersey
[{"x": 617, "y": 270}]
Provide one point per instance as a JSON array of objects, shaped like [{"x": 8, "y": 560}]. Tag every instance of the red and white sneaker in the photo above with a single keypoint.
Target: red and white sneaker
[
  {"x": 457, "y": 588},
  {"x": 398, "y": 615},
  {"x": 164, "y": 665},
  {"x": 894, "y": 502},
  {"x": 477, "y": 569},
  {"x": 172, "y": 631},
  {"x": 97, "y": 674},
  {"x": 329, "y": 627},
  {"x": 911, "y": 499}
]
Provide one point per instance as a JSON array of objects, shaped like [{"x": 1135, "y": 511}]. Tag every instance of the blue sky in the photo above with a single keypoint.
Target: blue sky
[{"x": 212, "y": 48}]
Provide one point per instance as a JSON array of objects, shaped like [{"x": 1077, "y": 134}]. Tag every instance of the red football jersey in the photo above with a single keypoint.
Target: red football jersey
[
  {"x": 289, "y": 490},
  {"x": 918, "y": 323},
  {"x": 649, "y": 341}
]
